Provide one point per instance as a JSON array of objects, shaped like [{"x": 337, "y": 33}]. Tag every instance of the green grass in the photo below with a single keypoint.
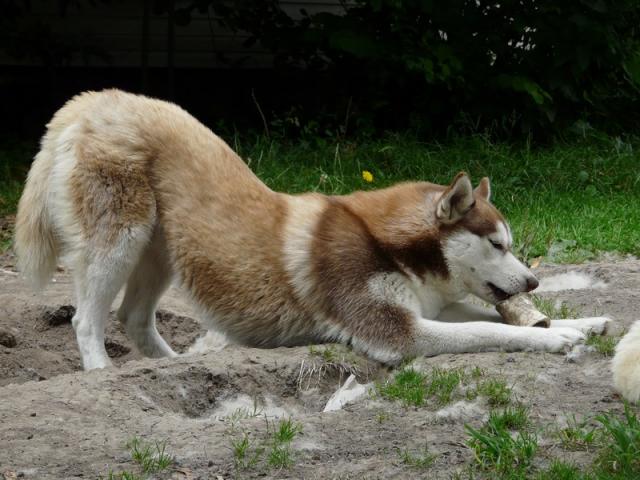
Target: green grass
[
  {"x": 510, "y": 418},
  {"x": 621, "y": 452},
  {"x": 273, "y": 451},
  {"x": 604, "y": 344},
  {"x": 553, "y": 310},
  {"x": 327, "y": 353},
  {"x": 150, "y": 458},
  {"x": 422, "y": 459},
  {"x": 245, "y": 454},
  {"x": 286, "y": 431},
  {"x": 562, "y": 471},
  {"x": 280, "y": 457},
  {"x": 496, "y": 391},
  {"x": 281, "y": 436},
  {"x": 407, "y": 386},
  {"x": 382, "y": 417},
  {"x": 570, "y": 200},
  {"x": 14, "y": 164},
  {"x": 496, "y": 449},
  {"x": 578, "y": 435},
  {"x": 505, "y": 447},
  {"x": 553, "y": 196},
  {"x": 443, "y": 383},
  {"x": 415, "y": 388}
]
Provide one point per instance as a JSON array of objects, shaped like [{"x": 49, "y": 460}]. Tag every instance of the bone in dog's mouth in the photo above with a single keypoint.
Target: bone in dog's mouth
[{"x": 500, "y": 294}]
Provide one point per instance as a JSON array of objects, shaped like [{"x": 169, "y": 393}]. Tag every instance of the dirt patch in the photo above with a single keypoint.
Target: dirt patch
[{"x": 59, "y": 422}]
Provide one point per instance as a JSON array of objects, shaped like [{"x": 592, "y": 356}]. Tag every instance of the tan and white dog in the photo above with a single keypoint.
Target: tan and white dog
[{"x": 135, "y": 190}]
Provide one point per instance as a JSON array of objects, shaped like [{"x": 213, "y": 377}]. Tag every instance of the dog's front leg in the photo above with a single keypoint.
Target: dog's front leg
[
  {"x": 466, "y": 312},
  {"x": 434, "y": 338},
  {"x": 593, "y": 325}
]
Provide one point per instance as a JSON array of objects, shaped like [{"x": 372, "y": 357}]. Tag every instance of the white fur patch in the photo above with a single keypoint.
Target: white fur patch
[
  {"x": 212, "y": 341},
  {"x": 569, "y": 281},
  {"x": 60, "y": 202},
  {"x": 383, "y": 355},
  {"x": 594, "y": 325},
  {"x": 349, "y": 392},
  {"x": 504, "y": 235},
  {"x": 302, "y": 218},
  {"x": 393, "y": 288}
]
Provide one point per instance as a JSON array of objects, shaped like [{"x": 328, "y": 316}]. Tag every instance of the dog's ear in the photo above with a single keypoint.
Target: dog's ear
[
  {"x": 456, "y": 200},
  {"x": 483, "y": 190}
]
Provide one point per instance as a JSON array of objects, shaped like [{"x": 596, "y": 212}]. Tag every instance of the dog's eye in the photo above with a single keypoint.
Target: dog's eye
[{"x": 496, "y": 245}]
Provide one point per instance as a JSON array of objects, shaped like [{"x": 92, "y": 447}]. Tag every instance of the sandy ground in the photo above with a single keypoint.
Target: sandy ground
[{"x": 57, "y": 422}]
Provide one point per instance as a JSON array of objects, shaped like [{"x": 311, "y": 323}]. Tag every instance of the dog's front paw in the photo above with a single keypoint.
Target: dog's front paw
[
  {"x": 588, "y": 325},
  {"x": 557, "y": 339},
  {"x": 594, "y": 325}
]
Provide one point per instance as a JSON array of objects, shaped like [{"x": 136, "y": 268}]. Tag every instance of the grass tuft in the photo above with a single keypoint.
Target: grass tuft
[
  {"x": 421, "y": 459},
  {"x": 280, "y": 455},
  {"x": 604, "y": 344},
  {"x": 408, "y": 386},
  {"x": 496, "y": 449},
  {"x": 578, "y": 435},
  {"x": 442, "y": 383},
  {"x": 621, "y": 453},
  {"x": 496, "y": 391},
  {"x": 563, "y": 471},
  {"x": 511, "y": 418},
  {"x": 245, "y": 454},
  {"x": 287, "y": 430},
  {"x": 327, "y": 353},
  {"x": 277, "y": 446},
  {"x": 504, "y": 447},
  {"x": 151, "y": 458},
  {"x": 413, "y": 388},
  {"x": 554, "y": 310}
]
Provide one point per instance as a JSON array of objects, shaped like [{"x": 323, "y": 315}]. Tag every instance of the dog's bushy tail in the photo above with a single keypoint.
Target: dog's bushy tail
[
  {"x": 35, "y": 241},
  {"x": 626, "y": 364}
]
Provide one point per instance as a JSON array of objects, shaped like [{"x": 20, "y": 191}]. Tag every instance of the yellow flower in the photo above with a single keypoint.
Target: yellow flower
[{"x": 367, "y": 176}]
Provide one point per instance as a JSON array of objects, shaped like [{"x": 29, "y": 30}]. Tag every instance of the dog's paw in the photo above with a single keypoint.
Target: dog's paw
[
  {"x": 594, "y": 325},
  {"x": 588, "y": 325},
  {"x": 557, "y": 339}
]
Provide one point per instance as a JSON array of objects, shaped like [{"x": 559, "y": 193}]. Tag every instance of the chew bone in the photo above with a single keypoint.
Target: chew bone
[{"x": 519, "y": 310}]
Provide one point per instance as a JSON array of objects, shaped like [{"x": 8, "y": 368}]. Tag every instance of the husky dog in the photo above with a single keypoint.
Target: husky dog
[
  {"x": 134, "y": 190},
  {"x": 626, "y": 364}
]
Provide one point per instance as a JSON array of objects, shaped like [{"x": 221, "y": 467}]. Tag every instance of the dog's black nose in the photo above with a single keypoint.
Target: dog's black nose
[{"x": 532, "y": 283}]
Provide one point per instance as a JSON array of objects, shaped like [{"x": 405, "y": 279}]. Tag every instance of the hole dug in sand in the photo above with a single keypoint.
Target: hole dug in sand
[
  {"x": 254, "y": 384},
  {"x": 193, "y": 392}
]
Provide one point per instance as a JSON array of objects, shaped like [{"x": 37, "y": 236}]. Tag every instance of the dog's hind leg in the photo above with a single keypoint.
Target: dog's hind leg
[
  {"x": 99, "y": 275},
  {"x": 149, "y": 279}
]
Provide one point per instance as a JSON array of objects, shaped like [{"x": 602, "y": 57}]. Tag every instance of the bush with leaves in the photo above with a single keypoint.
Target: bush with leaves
[{"x": 510, "y": 65}]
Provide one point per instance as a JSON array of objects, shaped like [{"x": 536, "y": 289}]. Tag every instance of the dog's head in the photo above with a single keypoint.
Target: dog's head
[{"x": 477, "y": 243}]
